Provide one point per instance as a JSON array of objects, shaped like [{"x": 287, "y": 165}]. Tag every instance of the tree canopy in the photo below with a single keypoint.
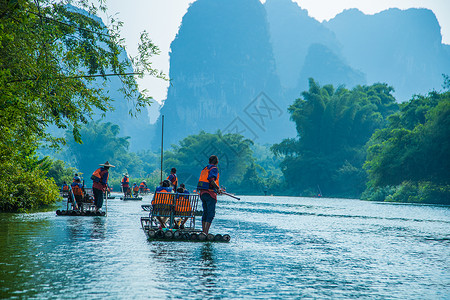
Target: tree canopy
[
  {"x": 54, "y": 58},
  {"x": 333, "y": 127},
  {"x": 193, "y": 152},
  {"x": 416, "y": 144}
]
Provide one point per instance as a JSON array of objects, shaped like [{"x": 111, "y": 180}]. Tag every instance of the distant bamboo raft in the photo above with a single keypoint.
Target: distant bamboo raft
[
  {"x": 131, "y": 198},
  {"x": 78, "y": 213}
]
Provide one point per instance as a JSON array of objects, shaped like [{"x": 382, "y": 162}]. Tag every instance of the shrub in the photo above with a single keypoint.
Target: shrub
[{"x": 22, "y": 190}]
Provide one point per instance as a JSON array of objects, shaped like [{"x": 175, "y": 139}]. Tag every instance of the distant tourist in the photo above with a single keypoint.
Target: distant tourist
[
  {"x": 182, "y": 189},
  {"x": 64, "y": 187},
  {"x": 76, "y": 177},
  {"x": 209, "y": 187},
  {"x": 125, "y": 185},
  {"x": 100, "y": 182},
  {"x": 143, "y": 187},
  {"x": 164, "y": 187},
  {"x": 173, "y": 178}
]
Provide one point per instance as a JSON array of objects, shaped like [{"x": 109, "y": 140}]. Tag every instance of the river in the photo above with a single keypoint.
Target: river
[{"x": 281, "y": 247}]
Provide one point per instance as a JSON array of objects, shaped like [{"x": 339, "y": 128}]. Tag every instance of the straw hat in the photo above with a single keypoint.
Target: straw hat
[{"x": 106, "y": 164}]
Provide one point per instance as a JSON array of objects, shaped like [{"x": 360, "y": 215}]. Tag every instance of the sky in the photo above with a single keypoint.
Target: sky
[{"x": 162, "y": 18}]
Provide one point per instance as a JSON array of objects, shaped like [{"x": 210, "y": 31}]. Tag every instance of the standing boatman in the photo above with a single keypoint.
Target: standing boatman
[
  {"x": 209, "y": 187},
  {"x": 173, "y": 178},
  {"x": 100, "y": 182},
  {"x": 125, "y": 185}
]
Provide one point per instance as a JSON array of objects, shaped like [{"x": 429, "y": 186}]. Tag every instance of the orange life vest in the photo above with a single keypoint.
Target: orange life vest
[
  {"x": 135, "y": 188},
  {"x": 77, "y": 191},
  {"x": 142, "y": 185},
  {"x": 65, "y": 188},
  {"x": 203, "y": 182},
  {"x": 163, "y": 198},
  {"x": 98, "y": 174},
  {"x": 175, "y": 182},
  {"x": 125, "y": 180}
]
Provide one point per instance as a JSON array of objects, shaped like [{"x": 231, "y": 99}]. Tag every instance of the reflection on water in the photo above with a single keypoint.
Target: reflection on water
[
  {"x": 98, "y": 228},
  {"x": 208, "y": 268},
  {"x": 281, "y": 247}
]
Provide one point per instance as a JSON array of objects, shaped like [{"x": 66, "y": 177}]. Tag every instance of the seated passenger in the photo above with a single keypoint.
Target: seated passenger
[
  {"x": 135, "y": 190},
  {"x": 182, "y": 206},
  {"x": 161, "y": 203},
  {"x": 143, "y": 187},
  {"x": 77, "y": 190}
]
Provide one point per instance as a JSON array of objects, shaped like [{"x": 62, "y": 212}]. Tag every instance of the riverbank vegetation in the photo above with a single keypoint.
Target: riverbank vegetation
[
  {"x": 333, "y": 127},
  {"x": 409, "y": 160},
  {"x": 54, "y": 59}
]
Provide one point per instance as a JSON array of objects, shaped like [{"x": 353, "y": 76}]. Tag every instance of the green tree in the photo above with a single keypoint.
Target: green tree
[
  {"x": 333, "y": 127},
  {"x": 192, "y": 153},
  {"x": 415, "y": 146},
  {"x": 53, "y": 59},
  {"x": 60, "y": 172},
  {"x": 101, "y": 142}
]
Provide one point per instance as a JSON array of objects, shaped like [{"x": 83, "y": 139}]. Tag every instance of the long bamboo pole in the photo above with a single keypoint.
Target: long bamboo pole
[{"x": 162, "y": 146}]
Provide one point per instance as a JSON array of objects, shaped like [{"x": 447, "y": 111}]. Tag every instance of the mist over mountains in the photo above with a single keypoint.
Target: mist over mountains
[
  {"x": 237, "y": 65},
  {"x": 400, "y": 47},
  {"x": 220, "y": 62},
  {"x": 226, "y": 53}
]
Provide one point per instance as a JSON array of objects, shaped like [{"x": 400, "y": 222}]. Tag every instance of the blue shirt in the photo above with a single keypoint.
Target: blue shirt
[
  {"x": 75, "y": 184},
  {"x": 213, "y": 172},
  {"x": 160, "y": 188}
]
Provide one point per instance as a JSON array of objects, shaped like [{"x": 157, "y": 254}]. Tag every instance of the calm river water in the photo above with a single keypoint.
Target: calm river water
[{"x": 281, "y": 247}]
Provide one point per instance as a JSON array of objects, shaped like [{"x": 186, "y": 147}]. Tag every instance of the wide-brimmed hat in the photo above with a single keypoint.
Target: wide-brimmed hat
[{"x": 107, "y": 164}]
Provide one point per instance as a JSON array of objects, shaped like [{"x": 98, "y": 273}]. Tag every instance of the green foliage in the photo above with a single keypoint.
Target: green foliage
[
  {"x": 101, "y": 142},
  {"x": 60, "y": 172},
  {"x": 51, "y": 54},
  {"x": 377, "y": 193},
  {"x": 415, "y": 146},
  {"x": 422, "y": 192},
  {"x": 412, "y": 152},
  {"x": 406, "y": 192},
  {"x": 446, "y": 84},
  {"x": 23, "y": 188},
  {"x": 333, "y": 126}
]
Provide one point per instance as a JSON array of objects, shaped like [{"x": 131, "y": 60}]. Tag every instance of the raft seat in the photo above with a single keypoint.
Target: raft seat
[{"x": 173, "y": 206}]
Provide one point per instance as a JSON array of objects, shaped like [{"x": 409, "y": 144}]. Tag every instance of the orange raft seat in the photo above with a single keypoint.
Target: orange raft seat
[
  {"x": 183, "y": 206},
  {"x": 162, "y": 204}
]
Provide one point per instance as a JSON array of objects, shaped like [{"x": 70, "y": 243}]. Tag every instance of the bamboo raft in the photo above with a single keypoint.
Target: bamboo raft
[
  {"x": 79, "y": 213},
  {"x": 131, "y": 198},
  {"x": 81, "y": 209},
  {"x": 176, "y": 209}
]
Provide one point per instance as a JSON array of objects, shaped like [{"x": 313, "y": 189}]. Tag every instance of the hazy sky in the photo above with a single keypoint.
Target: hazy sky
[{"x": 161, "y": 19}]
